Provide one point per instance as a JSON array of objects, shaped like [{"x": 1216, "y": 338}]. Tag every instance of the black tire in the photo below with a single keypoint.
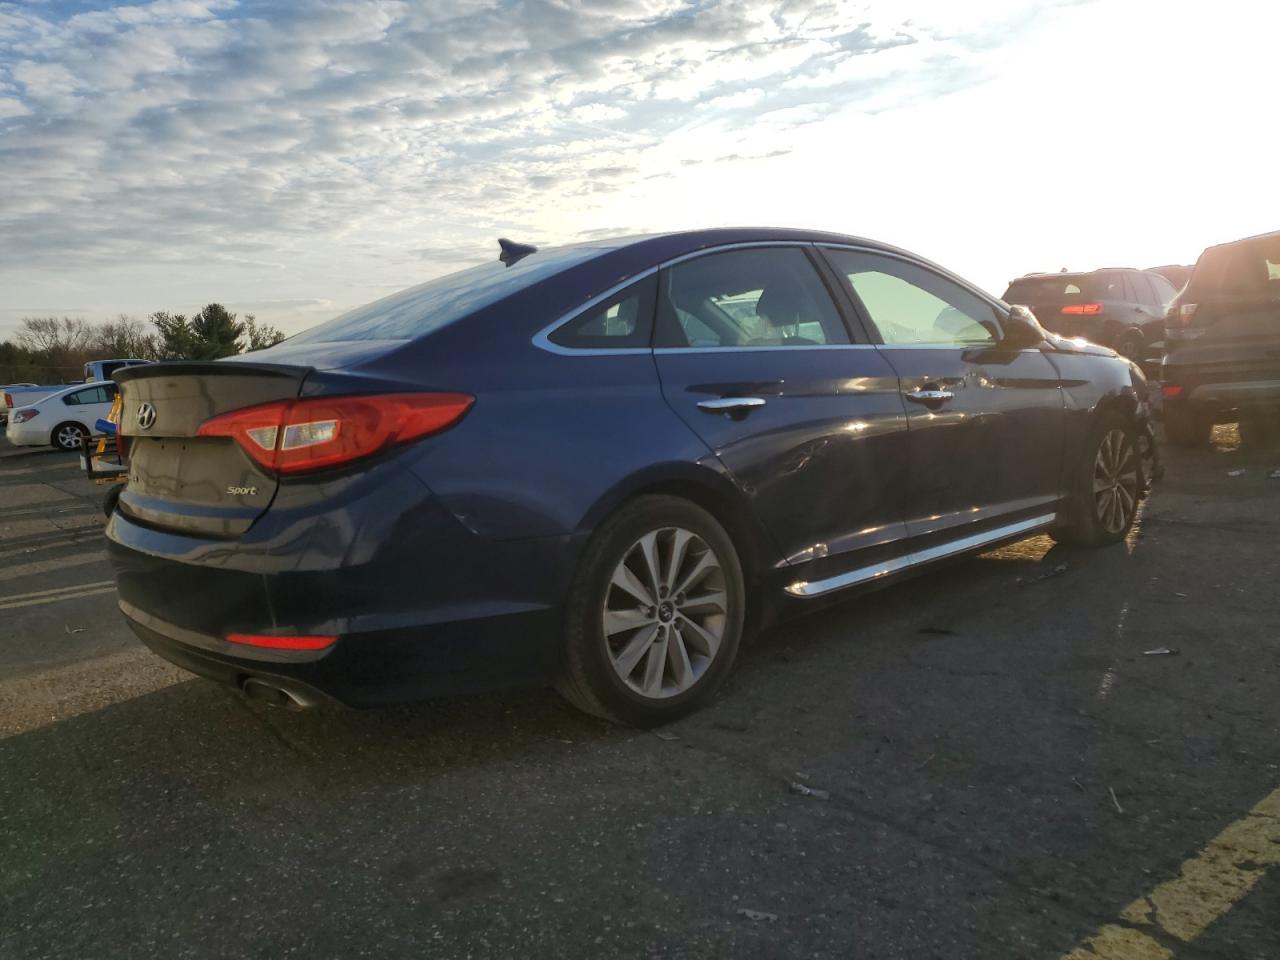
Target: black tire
[
  {"x": 1260, "y": 431},
  {"x": 59, "y": 437},
  {"x": 1094, "y": 518},
  {"x": 1131, "y": 344},
  {"x": 111, "y": 499},
  {"x": 592, "y": 666},
  {"x": 1186, "y": 428}
]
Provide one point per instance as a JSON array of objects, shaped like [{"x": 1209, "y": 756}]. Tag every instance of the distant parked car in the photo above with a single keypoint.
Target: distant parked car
[
  {"x": 4, "y": 409},
  {"x": 595, "y": 464},
  {"x": 1222, "y": 348},
  {"x": 99, "y": 370},
  {"x": 23, "y": 394},
  {"x": 1176, "y": 274},
  {"x": 63, "y": 418},
  {"x": 1121, "y": 308}
]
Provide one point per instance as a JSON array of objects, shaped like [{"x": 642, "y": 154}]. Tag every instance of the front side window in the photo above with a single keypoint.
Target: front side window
[
  {"x": 910, "y": 305},
  {"x": 1141, "y": 290},
  {"x": 623, "y": 320},
  {"x": 759, "y": 297}
]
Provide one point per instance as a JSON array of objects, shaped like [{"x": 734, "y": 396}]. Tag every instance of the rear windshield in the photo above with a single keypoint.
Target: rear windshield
[
  {"x": 1250, "y": 268},
  {"x": 1066, "y": 289},
  {"x": 431, "y": 305}
]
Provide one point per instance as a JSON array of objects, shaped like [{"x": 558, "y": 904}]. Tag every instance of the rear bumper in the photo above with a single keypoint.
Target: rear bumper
[
  {"x": 1225, "y": 400},
  {"x": 26, "y": 434},
  {"x": 366, "y": 670},
  {"x": 421, "y": 605}
]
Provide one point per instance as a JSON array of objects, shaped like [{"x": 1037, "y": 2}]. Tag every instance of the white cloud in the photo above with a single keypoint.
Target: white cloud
[{"x": 177, "y": 151}]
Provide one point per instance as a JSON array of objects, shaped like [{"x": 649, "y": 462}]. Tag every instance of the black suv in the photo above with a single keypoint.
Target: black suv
[
  {"x": 1119, "y": 308},
  {"x": 1222, "y": 345}
]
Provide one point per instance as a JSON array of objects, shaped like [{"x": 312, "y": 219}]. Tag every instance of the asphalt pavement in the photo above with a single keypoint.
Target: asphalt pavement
[{"x": 982, "y": 762}]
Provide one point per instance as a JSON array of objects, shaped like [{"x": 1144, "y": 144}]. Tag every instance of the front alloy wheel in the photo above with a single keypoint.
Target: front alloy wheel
[
  {"x": 1116, "y": 482},
  {"x": 68, "y": 436},
  {"x": 1108, "y": 483},
  {"x": 655, "y": 614}
]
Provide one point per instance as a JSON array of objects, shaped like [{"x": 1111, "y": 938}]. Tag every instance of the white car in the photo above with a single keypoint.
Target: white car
[{"x": 62, "y": 418}]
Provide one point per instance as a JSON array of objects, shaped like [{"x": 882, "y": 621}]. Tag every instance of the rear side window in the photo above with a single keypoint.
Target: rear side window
[
  {"x": 432, "y": 305},
  {"x": 623, "y": 320},
  {"x": 1141, "y": 290},
  {"x": 758, "y": 297}
]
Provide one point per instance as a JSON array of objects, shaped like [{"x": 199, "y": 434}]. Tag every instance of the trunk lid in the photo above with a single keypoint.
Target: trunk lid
[{"x": 204, "y": 486}]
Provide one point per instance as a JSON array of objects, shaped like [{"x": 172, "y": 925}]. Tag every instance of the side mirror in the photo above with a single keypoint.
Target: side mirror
[{"x": 1022, "y": 329}]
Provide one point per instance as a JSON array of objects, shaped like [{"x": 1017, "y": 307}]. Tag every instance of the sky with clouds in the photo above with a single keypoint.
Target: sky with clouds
[{"x": 298, "y": 157}]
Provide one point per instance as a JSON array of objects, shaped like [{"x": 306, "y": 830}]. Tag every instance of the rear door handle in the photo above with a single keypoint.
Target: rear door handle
[
  {"x": 731, "y": 404},
  {"x": 929, "y": 396}
]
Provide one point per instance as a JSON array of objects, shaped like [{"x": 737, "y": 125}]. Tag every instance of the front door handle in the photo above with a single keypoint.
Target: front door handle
[
  {"x": 929, "y": 396},
  {"x": 731, "y": 404}
]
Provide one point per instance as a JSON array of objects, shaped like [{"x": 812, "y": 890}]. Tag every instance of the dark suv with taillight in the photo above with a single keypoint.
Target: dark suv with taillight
[
  {"x": 1123, "y": 309},
  {"x": 1222, "y": 346}
]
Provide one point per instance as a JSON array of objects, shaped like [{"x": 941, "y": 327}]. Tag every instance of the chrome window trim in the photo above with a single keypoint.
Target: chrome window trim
[
  {"x": 542, "y": 339},
  {"x": 816, "y": 588}
]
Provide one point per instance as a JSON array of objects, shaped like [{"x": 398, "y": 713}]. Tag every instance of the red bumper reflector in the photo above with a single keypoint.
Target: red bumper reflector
[
  {"x": 281, "y": 643},
  {"x": 1171, "y": 390}
]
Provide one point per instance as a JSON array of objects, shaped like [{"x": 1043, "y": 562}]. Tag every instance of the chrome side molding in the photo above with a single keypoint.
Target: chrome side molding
[{"x": 817, "y": 588}]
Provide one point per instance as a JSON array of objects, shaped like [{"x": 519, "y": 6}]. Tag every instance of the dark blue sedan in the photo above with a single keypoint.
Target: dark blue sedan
[{"x": 600, "y": 465}]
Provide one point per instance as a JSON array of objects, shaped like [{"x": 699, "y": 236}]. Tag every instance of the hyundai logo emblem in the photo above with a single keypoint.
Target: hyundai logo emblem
[{"x": 146, "y": 415}]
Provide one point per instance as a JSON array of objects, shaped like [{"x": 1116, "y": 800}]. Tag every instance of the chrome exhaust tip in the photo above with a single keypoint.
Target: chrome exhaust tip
[{"x": 273, "y": 695}]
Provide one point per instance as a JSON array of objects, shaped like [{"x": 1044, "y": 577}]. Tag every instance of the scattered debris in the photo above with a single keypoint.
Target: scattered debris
[
  {"x": 665, "y": 735},
  {"x": 1274, "y": 475},
  {"x": 1182, "y": 595},
  {"x": 756, "y": 914},
  {"x": 1236, "y": 473},
  {"x": 1112, "y": 790},
  {"x": 1160, "y": 652},
  {"x": 1079, "y": 785},
  {"x": 927, "y": 761},
  {"x": 807, "y": 791},
  {"x": 72, "y": 630},
  {"x": 1055, "y": 572}
]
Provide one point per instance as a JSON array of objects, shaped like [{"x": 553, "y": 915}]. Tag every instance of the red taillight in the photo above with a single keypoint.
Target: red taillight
[
  {"x": 22, "y": 416},
  {"x": 1171, "y": 390},
  {"x": 8, "y": 400},
  {"x": 281, "y": 642},
  {"x": 1082, "y": 309},
  {"x": 1182, "y": 315},
  {"x": 293, "y": 436}
]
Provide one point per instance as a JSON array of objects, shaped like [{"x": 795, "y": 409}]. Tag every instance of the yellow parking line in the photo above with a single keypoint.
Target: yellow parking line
[
  {"x": 1209, "y": 885},
  {"x": 36, "y": 601}
]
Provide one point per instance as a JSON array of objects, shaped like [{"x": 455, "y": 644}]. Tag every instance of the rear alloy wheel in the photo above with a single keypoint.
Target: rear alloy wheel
[
  {"x": 67, "y": 436},
  {"x": 656, "y": 615},
  {"x": 1108, "y": 486},
  {"x": 1132, "y": 345}
]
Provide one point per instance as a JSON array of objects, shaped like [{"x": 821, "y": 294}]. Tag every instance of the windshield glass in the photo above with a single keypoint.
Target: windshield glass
[
  {"x": 431, "y": 305},
  {"x": 1064, "y": 289},
  {"x": 1250, "y": 268}
]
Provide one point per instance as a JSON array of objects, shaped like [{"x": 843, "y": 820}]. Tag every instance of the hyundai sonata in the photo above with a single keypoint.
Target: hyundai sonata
[{"x": 599, "y": 465}]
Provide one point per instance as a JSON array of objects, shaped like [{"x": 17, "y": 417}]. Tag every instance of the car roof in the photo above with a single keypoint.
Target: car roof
[{"x": 69, "y": 388}]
